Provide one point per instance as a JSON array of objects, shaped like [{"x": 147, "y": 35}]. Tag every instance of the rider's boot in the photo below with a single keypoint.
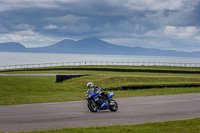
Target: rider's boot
[{"x": 109, "y": 102}]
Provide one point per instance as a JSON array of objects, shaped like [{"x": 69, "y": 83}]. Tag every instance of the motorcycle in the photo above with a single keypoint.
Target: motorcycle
[{"x": 97, "y": 102}]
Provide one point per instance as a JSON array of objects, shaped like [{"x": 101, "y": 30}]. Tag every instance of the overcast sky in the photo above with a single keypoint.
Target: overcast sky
[{"x": 163, "y": 24}]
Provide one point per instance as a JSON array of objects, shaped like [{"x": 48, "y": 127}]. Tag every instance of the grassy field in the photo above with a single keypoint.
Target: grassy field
[
  {"x": 182, "y": 126},
  {"x": 40, "y": 89}
]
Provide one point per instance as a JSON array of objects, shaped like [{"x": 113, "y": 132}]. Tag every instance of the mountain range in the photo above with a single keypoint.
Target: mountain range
[{"x": 94, "y": 46}]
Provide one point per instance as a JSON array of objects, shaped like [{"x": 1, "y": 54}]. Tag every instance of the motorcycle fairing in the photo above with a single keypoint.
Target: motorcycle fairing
[
  {"x": 110, "y": 94},
  {"x": 93, "y": 94},
  {"x": 103, "y": 106}
]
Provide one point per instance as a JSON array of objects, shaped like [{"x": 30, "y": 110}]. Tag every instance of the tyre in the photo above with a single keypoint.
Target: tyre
[
  {"x": 92, "y": 106},
  {"x": 114, "y": 107}
]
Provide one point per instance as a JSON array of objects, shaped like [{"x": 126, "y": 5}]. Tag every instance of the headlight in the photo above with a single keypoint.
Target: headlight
[{"x": 88, "y": 96}]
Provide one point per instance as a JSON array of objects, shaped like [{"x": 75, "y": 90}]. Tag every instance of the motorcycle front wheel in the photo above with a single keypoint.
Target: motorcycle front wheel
[
  {"x": 92, "y": 106},
  {"x": 114, "y": 107}
]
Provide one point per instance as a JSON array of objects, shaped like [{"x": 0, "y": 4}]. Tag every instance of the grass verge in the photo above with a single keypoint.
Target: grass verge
[
  {"x": 181, "y": 126},
  {"x": 178, "y": 68},
  {"x": 42, "y": 89}
]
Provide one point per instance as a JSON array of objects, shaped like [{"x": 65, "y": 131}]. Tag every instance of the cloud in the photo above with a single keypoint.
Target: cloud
[
  {"x": 67, "y": 19},
  {"x": 186, "y": 31},
  {"x": 197, "y": 38},
  {"x": 82, "y": 28},
  {"x": 167, "y": 24},
  {"x": 29, "y": 38},
  {"x": 23, "y": 27},
  {"x": 132, "y": 4},
  {"x": 17, "y": 4},
  {"x": 50, "y": 27},
  {"x": 3, "y": 29},
  {"x": 154, "y": 4}
]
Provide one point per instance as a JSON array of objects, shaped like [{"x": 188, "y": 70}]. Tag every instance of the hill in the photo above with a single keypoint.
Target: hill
[
  {"x": 12, "y": 47},
  {"x": 95, "y": 46}
]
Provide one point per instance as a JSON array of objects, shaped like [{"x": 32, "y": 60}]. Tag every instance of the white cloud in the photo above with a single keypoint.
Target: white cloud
[
  {"x": 75, "y": 28},
  {"x": 80, "y": 28},
  {"x": 50, "y": 27},
  {"x": 186, "y": 31},
  {"x": 23, "y": 27},
  {"x": 68, "y": 19},
  {"x": 29, "y": 38},
  {"x": 14, "y": 4}
]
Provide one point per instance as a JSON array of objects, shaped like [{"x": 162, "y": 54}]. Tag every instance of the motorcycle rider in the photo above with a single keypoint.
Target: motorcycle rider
[{"x": 98, "y": 90}]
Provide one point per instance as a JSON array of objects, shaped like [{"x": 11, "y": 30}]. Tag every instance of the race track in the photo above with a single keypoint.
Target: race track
[{"x": 134, "y": 110}]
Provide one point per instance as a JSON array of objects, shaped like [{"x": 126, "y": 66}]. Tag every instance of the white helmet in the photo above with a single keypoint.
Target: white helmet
[{"x": 90, "y": 85}]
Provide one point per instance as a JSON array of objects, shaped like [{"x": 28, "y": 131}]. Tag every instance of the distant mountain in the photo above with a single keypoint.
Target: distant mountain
[
  {"x": 60, "y": 47},
  {"x": 12, "y": 47},
  {"x": 95, "y": 46}
]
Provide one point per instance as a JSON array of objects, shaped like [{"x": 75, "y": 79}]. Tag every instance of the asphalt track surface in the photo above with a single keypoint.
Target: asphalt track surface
[{"x": 134, "y": 110}]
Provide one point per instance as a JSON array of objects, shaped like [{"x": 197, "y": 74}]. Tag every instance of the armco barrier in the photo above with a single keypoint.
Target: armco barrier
[{"x": 99, "y": 63}]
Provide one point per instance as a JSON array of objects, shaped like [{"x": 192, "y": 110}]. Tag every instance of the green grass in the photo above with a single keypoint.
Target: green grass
[
  {"x": 121, "y": 67},
  {"x": 42, "y": 89},
  {"x": 142, "y": 67},
  {"x": 181, "y": 126},
  {"x": 142, "y": 74}
]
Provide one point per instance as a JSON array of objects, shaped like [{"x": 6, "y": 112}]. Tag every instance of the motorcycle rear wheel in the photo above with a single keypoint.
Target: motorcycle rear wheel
[{"x": 92, "y": 106}]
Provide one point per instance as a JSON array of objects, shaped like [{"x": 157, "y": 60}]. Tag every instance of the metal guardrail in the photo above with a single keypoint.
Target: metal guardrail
[{"x": 100, "y": 63}]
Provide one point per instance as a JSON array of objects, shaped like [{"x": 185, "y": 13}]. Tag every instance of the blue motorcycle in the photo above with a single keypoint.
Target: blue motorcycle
[{"x": 97, "y": 102}]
